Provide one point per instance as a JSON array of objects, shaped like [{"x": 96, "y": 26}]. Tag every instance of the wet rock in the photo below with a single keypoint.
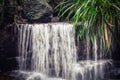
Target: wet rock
[
  {"x": 55, "y": 19},
  {"x": 37, "y": 10}
]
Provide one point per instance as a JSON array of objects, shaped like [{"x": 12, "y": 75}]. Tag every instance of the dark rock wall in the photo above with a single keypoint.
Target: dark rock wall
[
  {"x": 37, "y": 10},
  {"x": 27, "y": 11},
  {"x": 8, "y": 50}
]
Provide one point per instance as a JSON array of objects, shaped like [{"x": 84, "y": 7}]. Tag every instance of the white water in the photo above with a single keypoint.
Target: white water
[
  {"x": 53, "y": 48},
  {"x": 50, "y": 49},
  {"x": 90, "y": 70},
  {"x": 95, "y": 58}
]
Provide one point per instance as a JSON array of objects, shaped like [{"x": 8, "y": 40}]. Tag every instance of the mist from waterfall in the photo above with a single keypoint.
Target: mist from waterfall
[{"x": 50, "y": 49}]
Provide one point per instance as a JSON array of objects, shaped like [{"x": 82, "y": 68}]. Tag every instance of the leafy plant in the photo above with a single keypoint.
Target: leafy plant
[{"x": 98, "y": 18}]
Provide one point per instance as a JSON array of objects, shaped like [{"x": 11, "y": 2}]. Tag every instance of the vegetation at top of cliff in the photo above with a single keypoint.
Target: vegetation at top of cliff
[{"x": 98, "y": 18}]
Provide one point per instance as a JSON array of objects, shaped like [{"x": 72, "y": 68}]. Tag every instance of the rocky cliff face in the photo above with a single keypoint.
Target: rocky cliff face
[
  {"x": 26, "y": 12},
  {"x": 37, "y": 10}
]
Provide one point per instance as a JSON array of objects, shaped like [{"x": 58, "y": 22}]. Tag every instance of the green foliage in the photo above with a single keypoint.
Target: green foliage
[{"x": 98, "y": 18}]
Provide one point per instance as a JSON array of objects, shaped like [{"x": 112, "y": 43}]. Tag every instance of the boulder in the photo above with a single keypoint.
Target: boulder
[{"x": 37, "y": 10}]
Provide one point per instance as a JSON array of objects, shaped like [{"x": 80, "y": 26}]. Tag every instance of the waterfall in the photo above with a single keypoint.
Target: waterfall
[
  {"x": 52, "y": 46},
  {"x": 50, "y": 49},
  {"x": 24, "y": 45}
]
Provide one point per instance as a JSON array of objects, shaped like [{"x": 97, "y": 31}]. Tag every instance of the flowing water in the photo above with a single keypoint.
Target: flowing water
[{"x": 50, "y": 49}]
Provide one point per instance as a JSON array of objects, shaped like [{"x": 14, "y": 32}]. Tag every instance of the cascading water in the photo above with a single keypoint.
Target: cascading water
[{"x": 50, "y": 49}]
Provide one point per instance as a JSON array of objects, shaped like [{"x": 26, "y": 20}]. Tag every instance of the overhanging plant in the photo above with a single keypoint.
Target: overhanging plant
[{"x": 99, "y": 18}]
